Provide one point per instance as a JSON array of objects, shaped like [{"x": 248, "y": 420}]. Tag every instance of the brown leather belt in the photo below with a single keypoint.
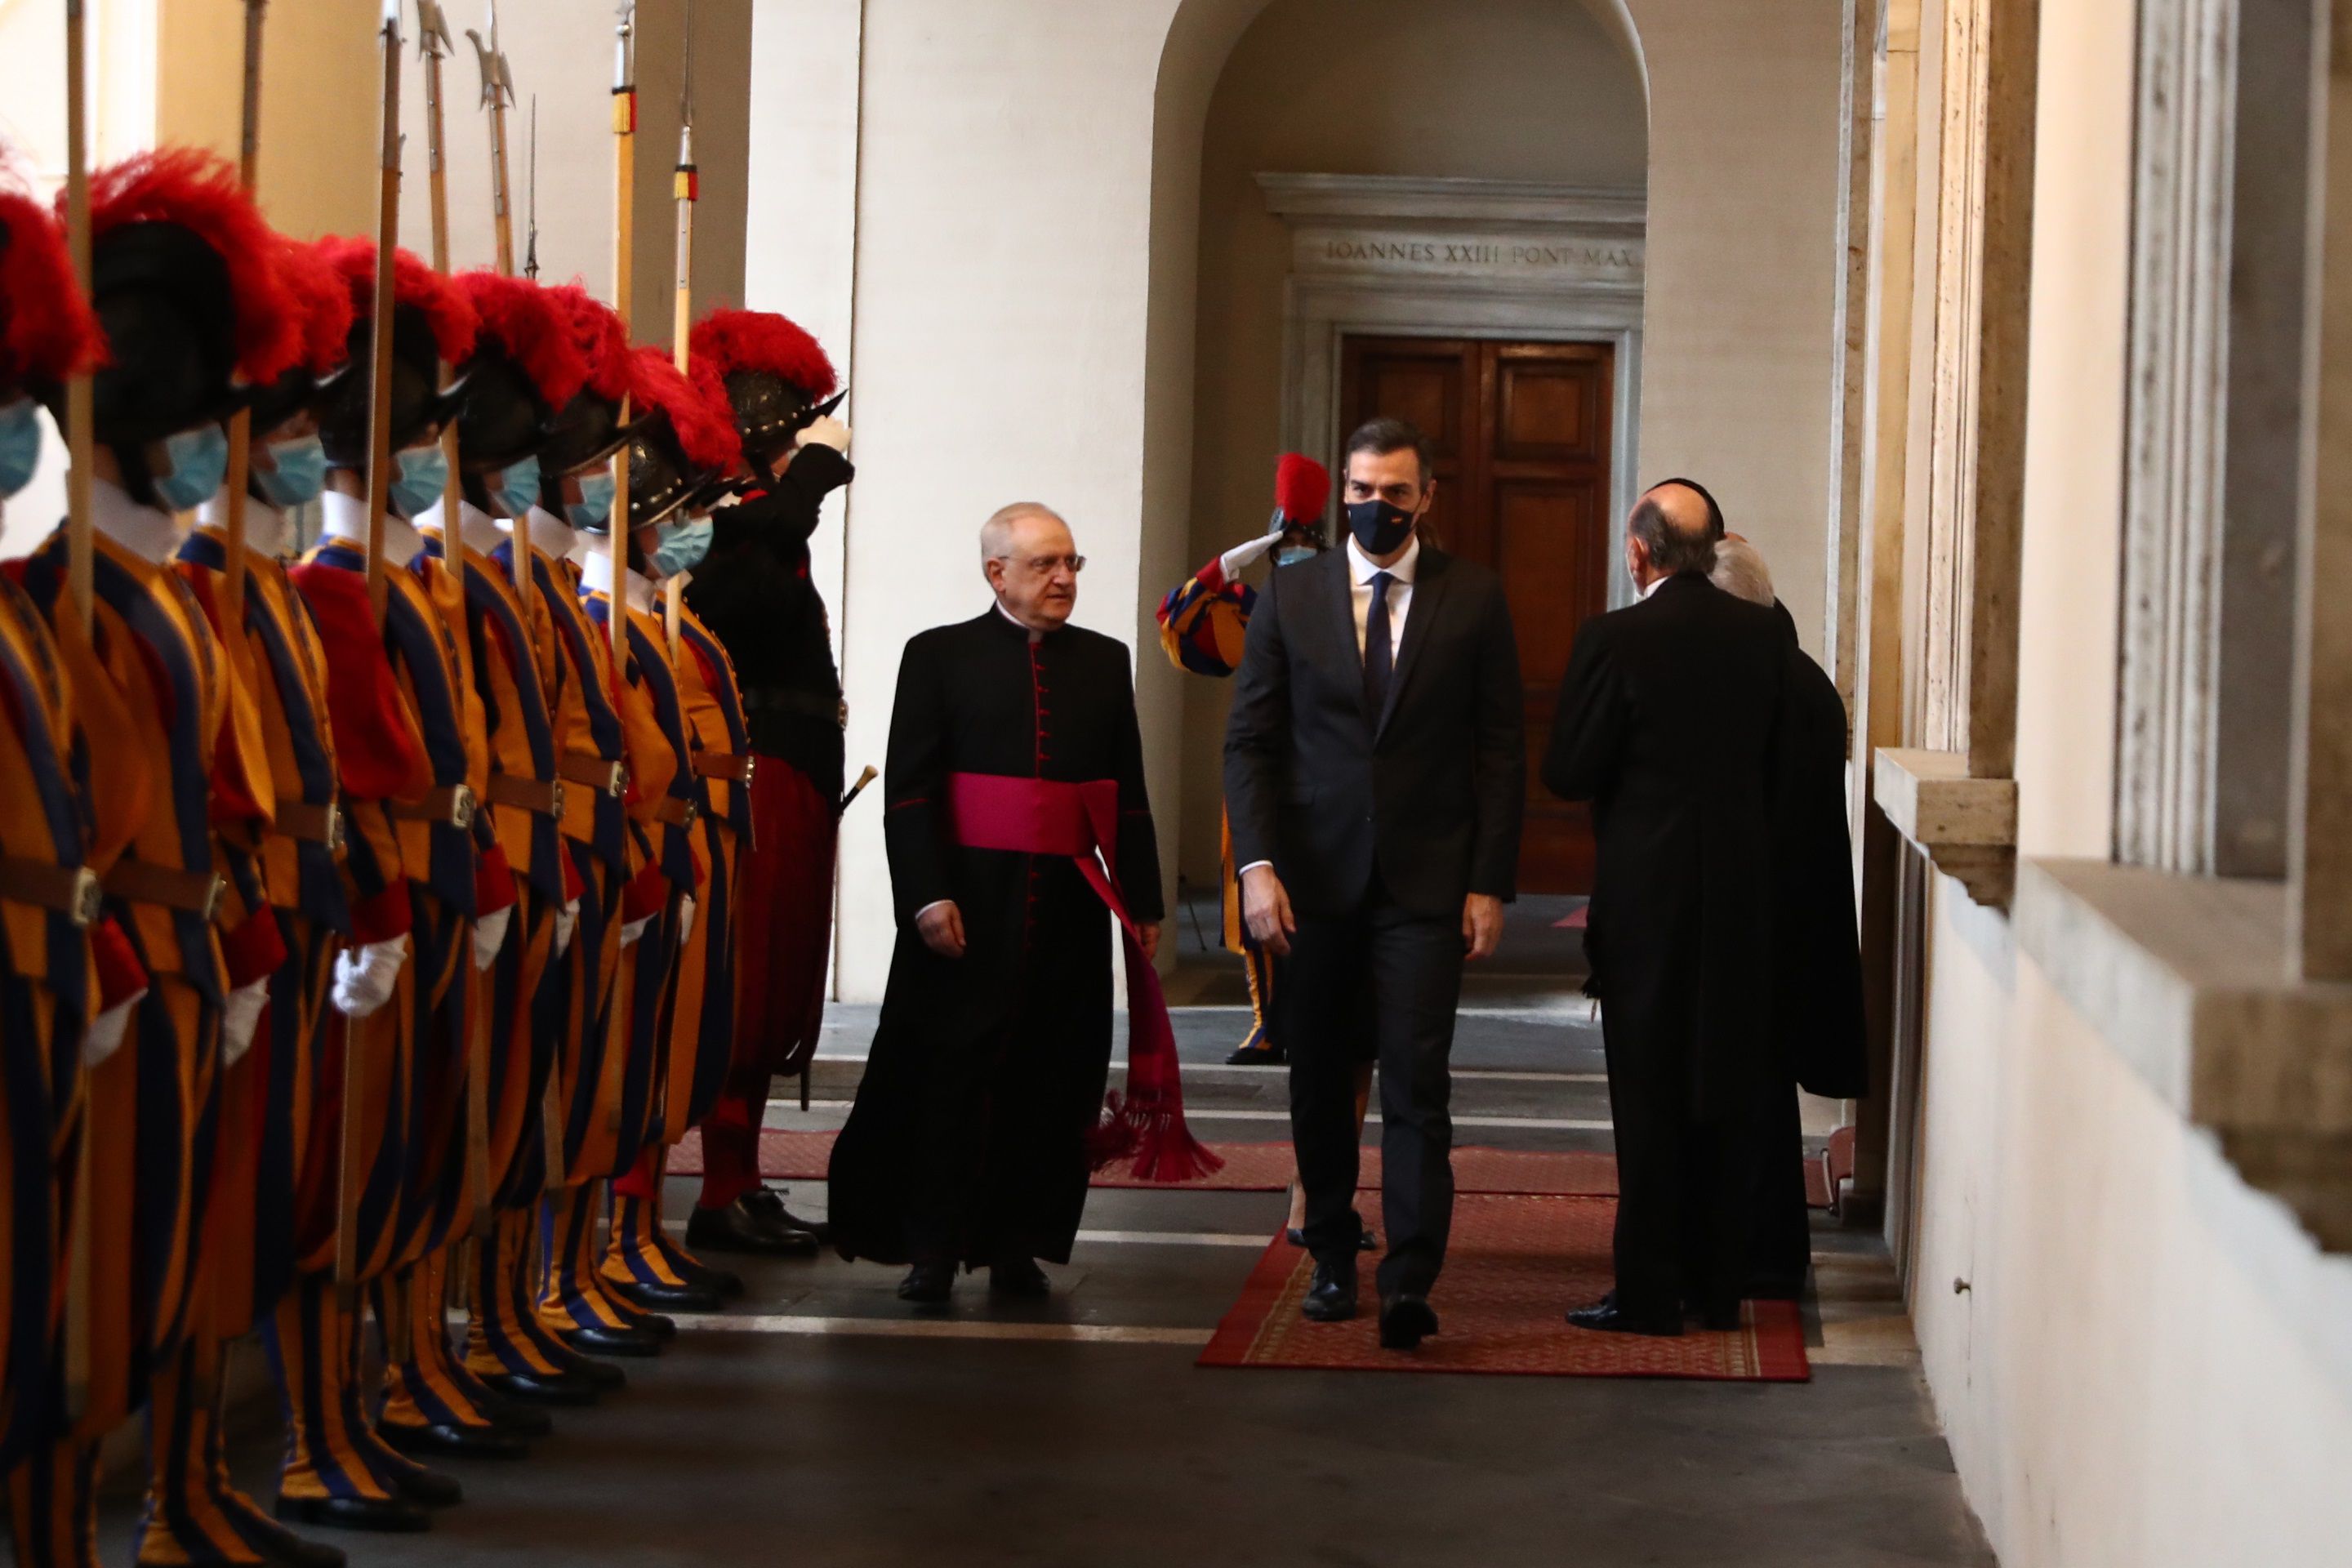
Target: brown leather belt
[
  {"x": 719, "y": 765},
  {"x": 544, "y": 796},
  {"x": 311, "y": 824},
  {"x": 452, "y": 807},
  {"x": 597, "y": 773},
  {"x": 142, "y": 882},
  {"x": 677, "y": 813},
  {"x": 73, "y": 891}
]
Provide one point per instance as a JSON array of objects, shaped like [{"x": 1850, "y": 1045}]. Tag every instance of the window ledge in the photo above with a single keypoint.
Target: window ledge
[
  {"x": 2190, "y": 980},
  {"x": 1967, "y": 827}
]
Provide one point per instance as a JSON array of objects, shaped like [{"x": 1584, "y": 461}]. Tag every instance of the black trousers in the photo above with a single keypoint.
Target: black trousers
[{"x": 1380, "y": 982}]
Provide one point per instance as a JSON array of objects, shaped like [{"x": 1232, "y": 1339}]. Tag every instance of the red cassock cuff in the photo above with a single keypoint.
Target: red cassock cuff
[
  {"x": 255, "y": 950},
  {"x": 646, "y": 894},
  {"x": 383, "y": 917},
  {"x": 120, "y": 975},
  {"x": 494, "y": 882}
]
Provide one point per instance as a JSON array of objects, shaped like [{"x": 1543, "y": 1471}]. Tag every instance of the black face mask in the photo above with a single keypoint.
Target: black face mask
[{"x": 1378, "y": 526}]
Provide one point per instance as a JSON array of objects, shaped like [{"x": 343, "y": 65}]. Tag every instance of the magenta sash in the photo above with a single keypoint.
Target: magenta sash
[{"x": 1046, "y": 816}]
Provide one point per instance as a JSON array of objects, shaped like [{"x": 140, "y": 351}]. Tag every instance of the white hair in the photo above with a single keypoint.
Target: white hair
[
  {"x": 1739, "y": 571},
  {"x": 996, "y": 534}
]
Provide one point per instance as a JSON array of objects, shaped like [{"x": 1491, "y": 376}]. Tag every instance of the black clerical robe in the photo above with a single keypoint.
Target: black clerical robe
[{"x": 968, "y": 1143}]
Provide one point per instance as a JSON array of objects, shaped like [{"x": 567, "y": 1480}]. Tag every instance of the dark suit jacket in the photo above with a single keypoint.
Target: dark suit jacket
[
  {"x": 1668, "y": 722},
  {"x": 1431, "y": 792},
  {"x": 1816, "y": 955}
]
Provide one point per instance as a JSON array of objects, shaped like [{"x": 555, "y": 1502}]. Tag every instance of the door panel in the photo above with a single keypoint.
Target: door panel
[{"x": 1522, "y": 434}]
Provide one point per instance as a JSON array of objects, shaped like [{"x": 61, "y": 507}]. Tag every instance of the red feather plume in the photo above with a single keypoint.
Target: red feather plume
[
  {"x": 705, "y": 434},
  {"x": 325, "y": 302},
  {"x": 413, "y": 284},
  {"x": 601, "y": 340},
  {"x": 47, "y": 330},
  {"x": 532, "y": 329},
  {"x": 199, "y": 191},
  {"x": 763, "y": 341},
  {"x": 1301, "y": 487},
  {"x": 713, "y": 392}
]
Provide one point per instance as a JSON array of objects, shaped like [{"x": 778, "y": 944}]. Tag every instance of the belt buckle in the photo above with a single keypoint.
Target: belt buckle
[
  {"x": 85, "y": 899},
  {"x": 620, "y": 783},
  {"x": 555, "y": 801},
  {"x": 693, "y": 811},
  {"x": 215, "y": 889},
  {"x": 334, "y": 828},
  {"x": 461, "y": 806}
]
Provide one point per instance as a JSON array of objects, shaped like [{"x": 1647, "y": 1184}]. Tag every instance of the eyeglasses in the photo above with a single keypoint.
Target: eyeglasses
[{"x": 1046, "y": 565}]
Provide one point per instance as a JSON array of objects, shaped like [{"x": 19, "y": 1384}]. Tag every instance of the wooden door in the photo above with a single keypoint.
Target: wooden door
[{"x": 1522, "y": 434}]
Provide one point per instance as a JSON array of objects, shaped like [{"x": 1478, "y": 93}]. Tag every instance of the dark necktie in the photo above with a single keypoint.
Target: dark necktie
[{"x": 1380, "y": 650}]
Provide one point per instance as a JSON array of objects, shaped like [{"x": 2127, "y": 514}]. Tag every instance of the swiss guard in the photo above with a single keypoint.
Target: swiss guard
[
  {"x": 69, "y": 979},
  {"x": 1202, "y": 626},
  {"x": 756, "y": 597},
  {"x": 419, "y": 873},
  {"x": 188, "y": 297}
]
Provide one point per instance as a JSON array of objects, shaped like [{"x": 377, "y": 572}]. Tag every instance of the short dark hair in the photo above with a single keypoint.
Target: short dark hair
[
  {"x": 1382, "y": 435},
  {"x": 1673, "y": 551}
]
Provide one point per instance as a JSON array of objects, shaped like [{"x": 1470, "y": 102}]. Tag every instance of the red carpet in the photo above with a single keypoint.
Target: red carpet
[
  {"x": 1249, "y": 1167},
  {"x": 1516, "y": 1264},
  {"x": 1266, "y": 1168}
]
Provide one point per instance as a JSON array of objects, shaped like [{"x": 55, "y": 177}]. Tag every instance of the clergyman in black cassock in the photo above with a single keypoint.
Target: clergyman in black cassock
[
  {"x": 1669, "y": 719},
  {"x": 969, "y": 1142}
]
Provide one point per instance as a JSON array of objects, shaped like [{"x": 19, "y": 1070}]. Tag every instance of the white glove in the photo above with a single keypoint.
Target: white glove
[
  {"x": 685, "y": 921},
  {"x": 1241, "y": 557},
  {"x": 633, "y": 930},
  {"x": 240, "y": 1016},
  {"x": 489, "y": 935},
  {"x": 364, "y": 977},
  {"x": 567, "y": 919},
  {"x": 104, "y": 1035},
  {"x": 826, "y": 431}
]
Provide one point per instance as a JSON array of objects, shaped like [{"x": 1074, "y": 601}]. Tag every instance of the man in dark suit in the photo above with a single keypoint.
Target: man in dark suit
[
  {"x": 1670, "y": 719},
  {"x": 1374, "y": 773}
]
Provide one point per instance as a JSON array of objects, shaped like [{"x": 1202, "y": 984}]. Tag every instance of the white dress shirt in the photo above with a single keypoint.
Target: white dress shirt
[{"x": 1361, "y": 569}]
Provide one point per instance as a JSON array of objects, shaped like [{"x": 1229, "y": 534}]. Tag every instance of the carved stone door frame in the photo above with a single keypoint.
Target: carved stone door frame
[{"x": 1403, "y": 256}]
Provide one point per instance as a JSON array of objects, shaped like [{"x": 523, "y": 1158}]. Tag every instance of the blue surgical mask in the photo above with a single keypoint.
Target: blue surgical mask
[
  {"x": 1291, "y": 555},
  {"x": 514, "y": 489},
  {"x": 297, "y": 472},
  {"x": 422, "y": 480},
  {"x": 683, "y": 545},
  {"x": 196, "y": 462},
  {"x": 20, "y": 445},
  {"x": 595, "y": 502}
]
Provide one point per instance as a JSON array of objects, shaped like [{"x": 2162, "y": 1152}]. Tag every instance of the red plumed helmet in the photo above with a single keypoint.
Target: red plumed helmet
[
  {"x": 198, "y": 192},
  {"x": 324, "y": 302},
  {"x": 601, "y": 340},
  {"x": 763, "y": 341},
  {"x": 46, "y": 330},
  {"x": 706, "y": 433},
  {"x": 530, "y": 328},
  {"x": 445, "y": 309},
  {"x": 1302, "y": 487}
]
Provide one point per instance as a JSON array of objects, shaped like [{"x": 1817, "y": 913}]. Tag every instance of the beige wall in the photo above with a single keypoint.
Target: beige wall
[
  {"x": 2151, "y": 1365},
  {"x": 1295, "y": 97}
]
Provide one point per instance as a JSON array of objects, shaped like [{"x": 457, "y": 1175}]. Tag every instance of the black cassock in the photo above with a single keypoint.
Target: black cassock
[{"x": 968, "y": 1143}]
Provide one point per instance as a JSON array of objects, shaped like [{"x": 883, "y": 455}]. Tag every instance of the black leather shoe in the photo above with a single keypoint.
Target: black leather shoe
[
  {"x": 654, "y": 1326},
  {"x": 1606, "y": 1317},
  {"x": 428, "y": 1488},
  {"x": 613, "y": 1341},
  {"x": 1405, "y": 1320},
  {"x": 742, "y": 1228},
  {"x": 565, "y": 1391},
  {"x": 391, "y": 1516},
  {"x": 519, "y": 1420},
  {"x": 1019, "y": 1277},
  {"x": 927, "y": 1284},
  {"x": 768, "y": 1203},
  {"x": 458, "y": 1442},
  {"x": 280, "y": 1547},
  {"x": 670, "y": 1298},
  {"x": 1365, "y": 1242},
  {"x": 1721, "y": 1318},
  {"x": 1255, "y": 1057},
  {"x": 574, "y": 1366},
  {"x": 720, "y": 1282},
  {"x": 1331, "y": 1299}
]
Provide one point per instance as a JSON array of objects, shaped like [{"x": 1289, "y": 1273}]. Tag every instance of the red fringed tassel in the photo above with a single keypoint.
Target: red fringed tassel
[{"x": 1154, "y": 1136}]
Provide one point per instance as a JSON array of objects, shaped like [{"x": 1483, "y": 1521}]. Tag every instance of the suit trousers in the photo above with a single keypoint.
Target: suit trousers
[{"x": 1380, "y": 981}]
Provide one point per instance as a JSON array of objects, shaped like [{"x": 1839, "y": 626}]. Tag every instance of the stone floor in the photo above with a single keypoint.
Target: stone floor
[{"x": 820, "y": 1423}]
